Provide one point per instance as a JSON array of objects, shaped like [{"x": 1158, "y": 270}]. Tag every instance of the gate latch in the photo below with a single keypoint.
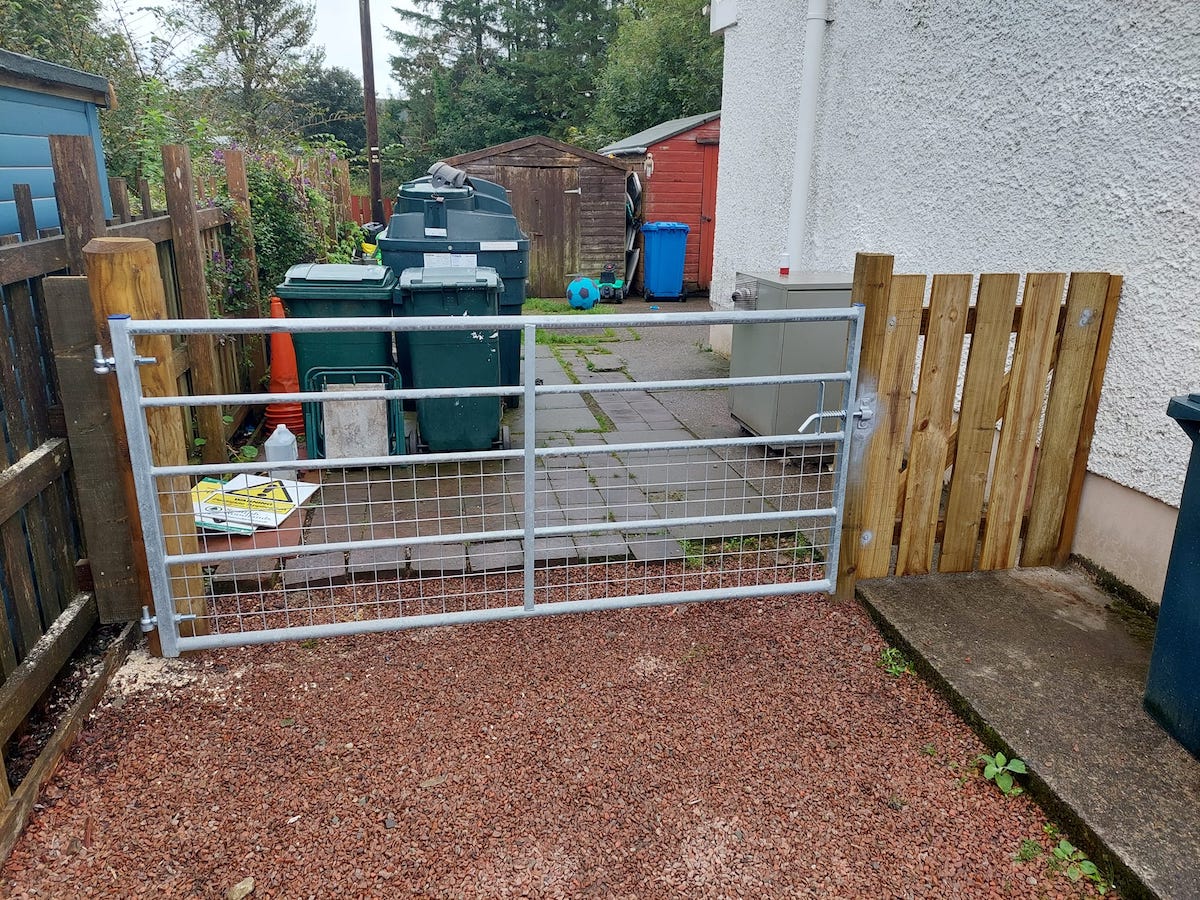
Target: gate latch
[
  {"x": 865, "y": 412},
  {"x": 102, "y": 364}
]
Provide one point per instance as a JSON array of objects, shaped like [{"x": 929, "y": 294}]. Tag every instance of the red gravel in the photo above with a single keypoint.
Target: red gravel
[{"x": 728, "y": 749}]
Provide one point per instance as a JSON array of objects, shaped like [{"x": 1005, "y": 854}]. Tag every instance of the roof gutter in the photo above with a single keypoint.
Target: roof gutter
[{"x": 815, "y": 24}]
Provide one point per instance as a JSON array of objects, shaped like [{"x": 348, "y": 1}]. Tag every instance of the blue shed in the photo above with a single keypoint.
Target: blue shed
[{"x": 38, "y": 99}]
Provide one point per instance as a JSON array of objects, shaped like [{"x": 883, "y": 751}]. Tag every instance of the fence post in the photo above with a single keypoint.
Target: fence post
[
  {"x": 239, "y": 193},
  {"x": 124, "y": 278},
  {"x": 26, "y": 218},
  {"x": 341, "y": 192},
  {"x": 120, "y": 583},
  {"x": 193, "y": 293},
  {"x": 118, "y": 190},
  {"x": 77, "y": 188},
  {"x": 872, "y": 286}
]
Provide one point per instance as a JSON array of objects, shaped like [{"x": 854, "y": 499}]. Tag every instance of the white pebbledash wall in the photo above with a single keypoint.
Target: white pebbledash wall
[{"x": 979, "y": 136}]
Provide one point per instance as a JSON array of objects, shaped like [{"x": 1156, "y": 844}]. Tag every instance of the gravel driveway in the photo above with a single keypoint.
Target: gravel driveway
[{"x": 727, "y": 749}]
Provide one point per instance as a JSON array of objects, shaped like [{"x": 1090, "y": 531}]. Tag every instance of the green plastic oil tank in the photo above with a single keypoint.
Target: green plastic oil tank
[
  {"x": 320, "y": 291},
  {"x": 447, "y": 359},
  {"x": 461, "y": 222}
]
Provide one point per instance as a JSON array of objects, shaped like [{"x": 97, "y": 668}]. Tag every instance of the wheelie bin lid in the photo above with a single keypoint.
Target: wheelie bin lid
[
  {"x": 666, "y": 226},
  {"x": 436, "y": 278},
  {"x": 333, "y": 281}
]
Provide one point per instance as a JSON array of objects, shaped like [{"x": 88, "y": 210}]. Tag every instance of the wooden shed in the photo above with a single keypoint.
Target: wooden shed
[
  {"x": 677, "y": 164},
  {"x": 570, "y": 201},
  {"x": 38, "y": 99}
]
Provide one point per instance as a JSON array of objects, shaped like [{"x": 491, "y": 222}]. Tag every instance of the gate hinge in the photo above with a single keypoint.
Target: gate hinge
[
  {"x": 149, "y": 622},
  {"x": 102, "y": 365},
  {"x": 865, "y": 412}
]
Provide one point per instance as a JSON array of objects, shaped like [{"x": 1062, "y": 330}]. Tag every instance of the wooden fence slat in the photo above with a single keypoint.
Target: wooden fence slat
[
  {"x": 20, "y": 692},
  {"x": 118, "y": 190},
  {"x": 1014, "y": 454},
  {"x": 143, "y": 189},
  {"x": 933, "y": 421},
  {"x": 77, "y": 189},
  {"x": 872, "y": 288},
  {"x": 890, "y": 429},
  {"x": 21, "y": 262},
  {"x": 239, "y": 193},
  {"x": 193, "y": 294},
  {"x": 981, "y": 402},
  {"x": 26, "y": 216},
  {"x": 32, "y": 474},
  {"x": 1087, "y": 425},
  {"x": 19, "y": 574},
  {"x": 117, "y": 565},
  {"x": 1086, "y": 297}
]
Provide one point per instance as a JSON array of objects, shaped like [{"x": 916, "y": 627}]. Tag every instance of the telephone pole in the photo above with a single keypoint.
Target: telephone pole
[{"x": 373, "y": 160}]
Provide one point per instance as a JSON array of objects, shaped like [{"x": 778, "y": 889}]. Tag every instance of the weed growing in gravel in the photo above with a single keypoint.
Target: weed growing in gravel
[
  {"x": 1029, "y": 850},
  {"x": 929, "y": 750},
  {"x": 895, "y": 663},
  {"x": 1000, "y": 769},
  {"x": 1073, "y": 862},
  {"x": 693, "y": 553}
]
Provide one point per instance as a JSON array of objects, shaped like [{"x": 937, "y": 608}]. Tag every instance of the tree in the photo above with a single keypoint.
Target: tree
[
  {"x": 665, "y": 65},
  {"x": 330, "y": 101},
  {"x": 251, "y": 53},
  {"x": 479, "y": 72}
]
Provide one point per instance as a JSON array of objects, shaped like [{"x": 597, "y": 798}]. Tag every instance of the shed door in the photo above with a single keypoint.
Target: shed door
[
  {"x": 708, "y": 213},
  {"x": 546, "y": 203}
]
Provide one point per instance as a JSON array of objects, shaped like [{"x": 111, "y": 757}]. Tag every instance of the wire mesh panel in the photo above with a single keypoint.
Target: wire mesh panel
[{"x": 605, "y": 498}]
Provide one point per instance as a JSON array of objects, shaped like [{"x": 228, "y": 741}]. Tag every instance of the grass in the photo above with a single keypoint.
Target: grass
[
  {"x": 545, "y": 306},
  {"x": 557, "y": 338}
]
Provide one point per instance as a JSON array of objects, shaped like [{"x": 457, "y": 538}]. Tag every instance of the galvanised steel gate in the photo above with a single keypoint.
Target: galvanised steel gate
[{"x": 607, "y": 499}]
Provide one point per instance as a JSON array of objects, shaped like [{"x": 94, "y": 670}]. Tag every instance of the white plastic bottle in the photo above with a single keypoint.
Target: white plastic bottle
[{"x": 281, "y": 447}]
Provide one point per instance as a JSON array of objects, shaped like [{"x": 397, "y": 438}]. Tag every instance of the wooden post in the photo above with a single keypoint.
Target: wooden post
[
  {"x": 193, "y": 294},
  {"x": 144, "y": 198},
  {"x": 122, "y": 581},
  {"x": 26, "y": 219},
  {"x": 77, "y": 189},
  {"x": 239, "y": 193},
  {"x": 119, "y": 191},
  {"x": 341, "y": 194},
  {"x": 872, "y": 287},
  {"x": 124, "y": 278}
]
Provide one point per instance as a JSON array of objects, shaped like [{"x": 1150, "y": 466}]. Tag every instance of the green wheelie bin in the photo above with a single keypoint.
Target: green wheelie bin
[{"x": 449, "y": 359}]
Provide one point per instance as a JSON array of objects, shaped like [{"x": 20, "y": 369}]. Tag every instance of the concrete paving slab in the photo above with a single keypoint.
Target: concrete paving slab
[
  {"x": 654, "y": 549},
  {"x": 1049, "y": 668},
  {"x": 378, "y": 560},
  {"x": 646, "y": 436},
  {"x": 428, "y": 558},
  {"x": 565, "y": 419},
  {"x": 604, "y": 362},
  {"x": 493, "y": 555},
  {"x": 314, "y": 569},
  {"x": 552, "y": 550},
  {"x": 592, "y": 547},
  {"x": 242, "y": 574}
]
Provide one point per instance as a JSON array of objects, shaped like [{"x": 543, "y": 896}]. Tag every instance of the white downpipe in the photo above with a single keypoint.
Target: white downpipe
[{"x": 806, "y": 123}]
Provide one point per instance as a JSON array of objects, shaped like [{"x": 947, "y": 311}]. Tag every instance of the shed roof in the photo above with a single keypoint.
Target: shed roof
[
  {"x": 537, "y": 139},
  {"x": 19, "y": 71},
  {"x": 637, "y": 143}
]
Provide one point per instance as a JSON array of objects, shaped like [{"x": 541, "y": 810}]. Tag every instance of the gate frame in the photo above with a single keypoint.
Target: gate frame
[{"x": 167, "y": 618}]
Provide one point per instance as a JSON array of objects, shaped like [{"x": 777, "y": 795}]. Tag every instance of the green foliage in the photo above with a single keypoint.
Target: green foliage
[
  {"x": 480, "y": 72},
  {"x": 895, "y": 663},
  {"x": 1001, "y": 770},
  {"x": 329, "y": 102},
  {"x": 1073, "y": 862},
  {"x": 665, "y": 65},
  {"x": 250, "y": 55},
  {"x": 283, "y": 226}
]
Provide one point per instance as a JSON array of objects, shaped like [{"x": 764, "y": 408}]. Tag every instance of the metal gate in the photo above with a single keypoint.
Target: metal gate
[{"x": 606, "y": 500}]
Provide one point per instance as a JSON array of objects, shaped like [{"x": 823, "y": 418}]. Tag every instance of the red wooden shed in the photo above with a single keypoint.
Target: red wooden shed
[{"x": 677, "y": 164}]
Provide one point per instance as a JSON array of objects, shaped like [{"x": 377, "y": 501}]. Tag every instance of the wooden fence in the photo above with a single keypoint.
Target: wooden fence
[
  {"x": 934, "y": 491},
  {"x": 65, "y": 556}
]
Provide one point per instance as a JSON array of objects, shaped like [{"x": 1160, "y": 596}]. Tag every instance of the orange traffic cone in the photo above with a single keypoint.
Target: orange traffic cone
[{"x": 284, "y": 378}]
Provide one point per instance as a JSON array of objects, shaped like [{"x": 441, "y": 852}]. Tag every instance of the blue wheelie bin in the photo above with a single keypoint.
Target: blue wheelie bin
[{"x": 666, "y": 246}]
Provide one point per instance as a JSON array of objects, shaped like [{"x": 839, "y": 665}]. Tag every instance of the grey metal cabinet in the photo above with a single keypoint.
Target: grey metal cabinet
[{"x": 796, "y": 348}]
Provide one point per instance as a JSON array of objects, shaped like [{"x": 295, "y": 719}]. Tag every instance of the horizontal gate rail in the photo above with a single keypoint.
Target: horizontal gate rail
[{"x": 407, "y": 540}]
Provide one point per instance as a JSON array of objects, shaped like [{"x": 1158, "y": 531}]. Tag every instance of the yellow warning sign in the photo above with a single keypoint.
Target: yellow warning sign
[{"x": 247, "y": 502}]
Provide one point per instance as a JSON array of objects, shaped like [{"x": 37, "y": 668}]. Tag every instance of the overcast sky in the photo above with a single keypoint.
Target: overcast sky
[{"x": 337, "y": 31}]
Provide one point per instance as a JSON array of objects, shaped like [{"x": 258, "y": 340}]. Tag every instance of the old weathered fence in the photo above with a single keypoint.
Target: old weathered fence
[
  {"x": 65, "y": 549},
  {"x": 998, "y": 484}
]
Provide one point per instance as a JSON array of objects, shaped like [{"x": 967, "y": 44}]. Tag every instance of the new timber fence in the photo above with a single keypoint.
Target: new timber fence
[{"x": 996, "y": 485}]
